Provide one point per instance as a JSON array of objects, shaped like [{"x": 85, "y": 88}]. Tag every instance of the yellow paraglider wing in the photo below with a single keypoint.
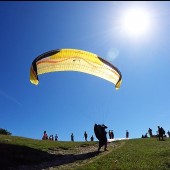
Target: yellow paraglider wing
[{"x": 74, "y": 60}]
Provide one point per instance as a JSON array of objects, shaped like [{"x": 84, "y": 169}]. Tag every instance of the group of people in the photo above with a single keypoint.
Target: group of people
[
  {"x": 102, "y": 141},
  {"x": 100, "y": 132},
  {"x": 160, "y": 133},
  {"x": 111, "y": 134},
  {"x": 51, "y": 137},
  {"x": 85, "y": 137}
]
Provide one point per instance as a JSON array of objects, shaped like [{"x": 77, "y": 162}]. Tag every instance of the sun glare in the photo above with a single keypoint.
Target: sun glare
[{"x": 135, "y": 22}]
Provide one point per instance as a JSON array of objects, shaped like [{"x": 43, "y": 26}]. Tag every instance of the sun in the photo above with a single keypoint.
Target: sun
[{"x": 136, "y": 22}]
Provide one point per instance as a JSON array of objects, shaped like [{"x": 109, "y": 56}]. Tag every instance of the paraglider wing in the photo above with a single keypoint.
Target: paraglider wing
[
  {"x": 74, "y": 60},
  {"x": 99, "y": 132}
]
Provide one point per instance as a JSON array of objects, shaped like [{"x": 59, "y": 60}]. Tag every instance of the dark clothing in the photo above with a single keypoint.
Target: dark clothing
[
  {"x": 103, "y": 141},
  {"x": 161, "y": 133},
  {"x": 92, "y": 138},
  {"x": 150, "y": 132},
  {"x": 85, "y": 136},
  {"x": 72, "y": 137},
  {"x": 168, "y": 133},
  {"x": 127, "y": 134},
  {"x": 112, "y": 135}
]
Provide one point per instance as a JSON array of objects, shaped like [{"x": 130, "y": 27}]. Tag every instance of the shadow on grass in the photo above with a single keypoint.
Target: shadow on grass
[
  {"x": 14, "y": 157},
  {"x": 168, "y": 165}
]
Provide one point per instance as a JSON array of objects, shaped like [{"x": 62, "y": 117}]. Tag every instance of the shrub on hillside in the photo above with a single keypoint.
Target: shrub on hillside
[{"x": 4, "y": 132}]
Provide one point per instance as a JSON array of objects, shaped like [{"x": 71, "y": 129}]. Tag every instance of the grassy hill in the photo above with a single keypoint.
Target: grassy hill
[{"x": 137, "y": 154}]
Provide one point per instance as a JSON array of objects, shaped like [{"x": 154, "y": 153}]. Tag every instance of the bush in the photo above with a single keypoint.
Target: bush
[{"x": 4, "y": 132}]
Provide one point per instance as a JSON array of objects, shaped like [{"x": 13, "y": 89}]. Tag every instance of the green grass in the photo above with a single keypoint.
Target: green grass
[
  {"x": 42, "y": 145},
  {"x": 136, "y": 154},
  {"x": 16, "y": 151}
]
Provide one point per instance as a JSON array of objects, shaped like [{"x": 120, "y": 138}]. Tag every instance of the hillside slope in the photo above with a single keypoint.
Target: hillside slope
[
  {"x": 23, "y": 154},
  {"x": 136, "y": 154}
]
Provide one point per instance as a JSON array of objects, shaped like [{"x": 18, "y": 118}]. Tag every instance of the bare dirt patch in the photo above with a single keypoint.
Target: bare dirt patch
[{"x": 71, "y": 158}]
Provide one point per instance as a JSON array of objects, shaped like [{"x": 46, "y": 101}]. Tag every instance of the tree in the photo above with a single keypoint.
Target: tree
[{"x": 4, "y": 132}]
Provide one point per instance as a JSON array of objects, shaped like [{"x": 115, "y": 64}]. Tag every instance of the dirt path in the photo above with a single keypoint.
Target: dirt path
[{"x": 71, "y": 158}]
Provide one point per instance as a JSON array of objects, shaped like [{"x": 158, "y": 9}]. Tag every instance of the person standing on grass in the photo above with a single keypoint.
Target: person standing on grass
[
  {"x": 56, "y": 137},
  {"x": 127, "y": 134},
  {"x": 92, "y": 138},
  {"x": 85, "y": 135},
  {"x": 150, "y": 132},
  {"x": 72, "y": 137}
]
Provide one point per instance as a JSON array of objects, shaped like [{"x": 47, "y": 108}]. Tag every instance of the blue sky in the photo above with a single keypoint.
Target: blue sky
[{"x": 72, "y": 102}]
